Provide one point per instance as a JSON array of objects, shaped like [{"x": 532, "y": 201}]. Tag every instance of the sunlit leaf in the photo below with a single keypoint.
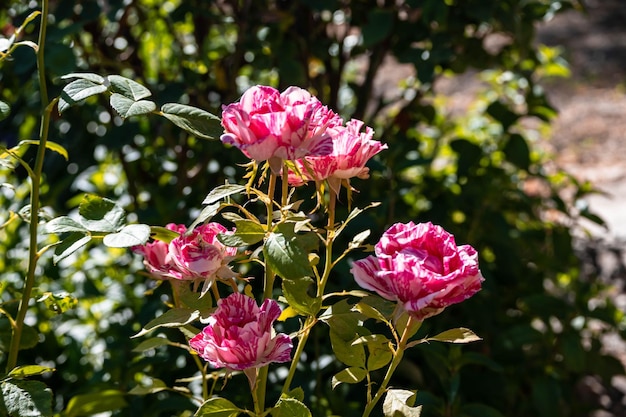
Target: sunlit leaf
[
  {"x": 247, "y": 232},
  {"x": 151, "y": 343},
  {"x": 63, "y": 224},
  {"x": 290, "y": 407},
  {"x": 97, "y": 402},
  {"x": 126, "y": 107},
  {"x": 94, "y": 78},
  {"x": 5, "y": 110},
  {"x": 156, "y": 385},
  {"x": 130, "y": 235},
  {"x": 163, "y": 234},
  {"x": 128, "y": 88},
  {"x": 70, "y": 245},
  {"x": 101, "y": 214},
  {"x": 399, "y": 403},
  {"x": 221, "y": 192},
  {"x": 460, "y": 335},
  {"x": 23, "y": 398},
  {"x": 218, "y": 407},
  {"x": 26, "y": 371},
  {"x": 352, "y": 375},
  {"x": 175, "y": 317},
  {"x": 194, "y": 120},
  {"x": 53, "y": 146},
  {"x": 59, "y": 302},
  {"x": 77, "y": 91}
]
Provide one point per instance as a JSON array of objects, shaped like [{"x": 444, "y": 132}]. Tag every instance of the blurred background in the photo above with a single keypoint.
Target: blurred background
[{"x": 504, "y": 122}]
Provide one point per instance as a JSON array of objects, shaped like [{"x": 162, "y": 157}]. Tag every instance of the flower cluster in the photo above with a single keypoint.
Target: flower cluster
[
  {"x": 418, "y": 266},
  {"x": 421, "y": 267},
  {"x": 192, "y": 256},
  {"x": 293, "y": 125}
]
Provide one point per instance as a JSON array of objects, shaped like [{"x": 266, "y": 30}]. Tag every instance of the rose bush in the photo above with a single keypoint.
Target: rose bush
[{"x": 421, "y": 267}]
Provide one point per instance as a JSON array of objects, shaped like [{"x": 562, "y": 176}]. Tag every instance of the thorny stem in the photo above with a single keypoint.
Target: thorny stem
[
  {"x": 34, "y": 195},
  {"x": 261, "y": 384},
  {"x": 311, "y": 320}
]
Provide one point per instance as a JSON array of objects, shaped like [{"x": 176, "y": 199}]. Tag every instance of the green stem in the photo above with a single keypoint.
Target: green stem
[
  {"x": 311, "y": 320},
  {"x": 268, "y": 288},
  {"x": 34, "y": 195},
  {"x": 397, "y": 358}
]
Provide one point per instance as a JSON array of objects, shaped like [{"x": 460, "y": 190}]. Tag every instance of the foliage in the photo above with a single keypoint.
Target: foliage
[{"x": 474, "y": 174}]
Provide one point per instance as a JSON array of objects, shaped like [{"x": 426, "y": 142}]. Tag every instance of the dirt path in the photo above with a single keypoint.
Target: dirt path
[{"x": 589, "y": 135}]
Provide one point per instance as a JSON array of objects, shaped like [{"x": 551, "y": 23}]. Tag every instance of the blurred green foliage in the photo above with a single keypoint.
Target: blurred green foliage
[{"x": 480, "y": 174}]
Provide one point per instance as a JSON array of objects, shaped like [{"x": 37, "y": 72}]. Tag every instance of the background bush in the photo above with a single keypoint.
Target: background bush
[{"x": 481, "y": 175}]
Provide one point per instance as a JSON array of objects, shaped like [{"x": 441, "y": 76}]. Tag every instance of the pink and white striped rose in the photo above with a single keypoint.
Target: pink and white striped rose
[
  {"x": 199, "y": 255},
  {"x": 155, "y": 256},
  {"x": 268, "y": 125},
  {"x": 421, "y": 267},
  {"x": 240, "y": 335},
  {"x": 352, "y": 149}
]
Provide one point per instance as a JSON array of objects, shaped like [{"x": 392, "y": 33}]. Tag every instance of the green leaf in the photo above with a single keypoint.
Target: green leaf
[
  {"x": 371, "y": 338},
  {"x": 63, "y": 224},
  {"x": 176, "y": 317},
  {"x": 379, "y": 355},
  {"x": 342, "y": 319},
  {"x": 517, "y": 151},
  {"x": 297, "y": 294},
  {"x": 163, "y": 234},
  {"x": 70, "y": 245},
  {"x": 5, "y": 110},
  {"x": 156, "y": 385},
  {"x": 130, "y": 235},
  {"x": 151, "y": 343},
  {"x": 126, "y": 107},
  {"x": 290, "y": 407},
  {"x": 352, "y": 375},
  {"x": 502, "y": 114},
  {"x": 53, "y": 146},
  {"x": 370, "y": 312},
  {"x": 358, "y": 240},
  {"x": 26, "y": 398},
  {"x": 218, "y": 407},
  {"x": 247, "y": 232},
  {"x": 378, "y": 26},
  {"x": 223, "y": 191},
  {"x": 345, "y": 351},
  {"x": 77, "y": 91},
  {"x": 98, "y": 402},
  {"x": 194, "y": 120},
  {"x": 205, "y": 215},
  {"x": 101, "y": 214},
  {"x": 128, "y": 88},
  {"x": 30, "y": 336},
  {"x": 460, "y": 335},
  {"x": 284, "y": 253},
  {"x": 399, "y": 403},
  {"x": 94, "y": 78},
  {"x": 26, "y": 371},
  {"x": 59, "y": 302}
]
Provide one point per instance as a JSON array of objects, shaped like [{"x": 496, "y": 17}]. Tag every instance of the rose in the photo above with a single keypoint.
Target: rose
[
  {"x": 351, "y": 151},
  {"x": 273, "y": 126},
  {"x": 239, "y": 335},
  {"x": 421, "y": 267},
  {"x": 155, "y": 256},
  {"x": 199, "y": 255}
]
